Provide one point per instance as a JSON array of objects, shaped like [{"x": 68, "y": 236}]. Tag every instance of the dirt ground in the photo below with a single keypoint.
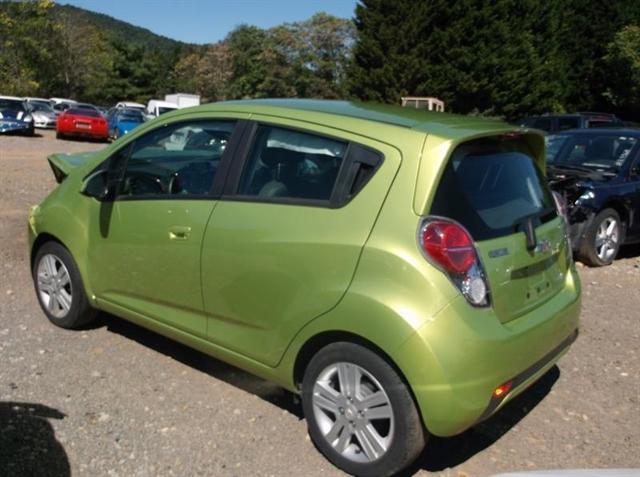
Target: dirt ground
[{"x": 117, "y": 400}]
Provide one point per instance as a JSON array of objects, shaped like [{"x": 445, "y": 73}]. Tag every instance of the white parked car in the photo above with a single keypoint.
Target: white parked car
[{"x": 131, "y": 105}]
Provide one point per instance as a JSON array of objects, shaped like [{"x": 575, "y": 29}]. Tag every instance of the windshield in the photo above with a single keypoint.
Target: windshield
[
  {"x": 597, "y": 151},
  {"x": 165, "y": 110},
  {"x": 41, "y": 107},
  {"x": 490, "y": 187},
  {"x": 131, "y": 117},
  {"x": 11, "y": 104}
]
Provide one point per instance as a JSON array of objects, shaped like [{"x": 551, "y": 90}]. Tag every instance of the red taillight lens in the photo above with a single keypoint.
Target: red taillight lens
[{"x": 449, "y": 245}]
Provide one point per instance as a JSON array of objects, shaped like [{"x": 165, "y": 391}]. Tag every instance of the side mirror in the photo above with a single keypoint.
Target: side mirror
[
  {"x": 635, "y": 170},
  {"x": 97, "y": 186}
]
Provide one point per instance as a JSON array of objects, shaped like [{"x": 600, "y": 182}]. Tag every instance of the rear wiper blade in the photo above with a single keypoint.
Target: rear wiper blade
[{"x": 528, "y": 224}]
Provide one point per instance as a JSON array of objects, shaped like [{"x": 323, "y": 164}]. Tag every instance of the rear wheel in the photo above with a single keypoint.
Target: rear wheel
[
  {"x": 359, "y": 411},
  {"x": 59, "y": 135},
  {"x": 602, "y": 240},
  {"x": 59, "y": 287}
]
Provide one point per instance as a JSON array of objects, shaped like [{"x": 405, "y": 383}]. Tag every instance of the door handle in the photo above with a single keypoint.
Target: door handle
[{"x": 179, "y": 232}]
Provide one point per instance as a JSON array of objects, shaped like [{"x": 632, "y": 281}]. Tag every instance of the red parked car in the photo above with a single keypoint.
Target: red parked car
[{"x": 82, "y": 122}]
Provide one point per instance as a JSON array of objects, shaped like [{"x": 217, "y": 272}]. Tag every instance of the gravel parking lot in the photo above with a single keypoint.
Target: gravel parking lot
[{"x": 117, "y": 400}]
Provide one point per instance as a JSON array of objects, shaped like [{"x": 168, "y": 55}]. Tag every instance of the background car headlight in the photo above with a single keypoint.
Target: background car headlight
[{"x": 587, "y": 195}]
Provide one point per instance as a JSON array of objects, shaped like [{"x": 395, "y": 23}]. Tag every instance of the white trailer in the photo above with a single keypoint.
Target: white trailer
[{"x": 183, "y": 100}]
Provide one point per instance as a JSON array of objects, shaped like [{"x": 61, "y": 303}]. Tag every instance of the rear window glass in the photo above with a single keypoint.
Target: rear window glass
[
  {"x": 84, "y": 112},
  {"x": 568, "y": 123},
  {"x": 490, "y": 187}
]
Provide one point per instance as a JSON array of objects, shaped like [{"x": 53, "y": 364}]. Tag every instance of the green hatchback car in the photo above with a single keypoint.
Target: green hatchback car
[{"x": 407, "y": 273}]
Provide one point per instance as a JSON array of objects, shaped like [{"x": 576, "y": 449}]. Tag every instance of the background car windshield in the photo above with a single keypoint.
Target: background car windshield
[
  {"x": 11, "y": 104},
  {"x": 84, "y": 112},
  {"x": 490, "y": 191},
  {"x": 131, "y": 117},
  {"x": 41, "y": 107},
  {"x": 165, "y": 110},
  {"x": 593, "y": 151}
]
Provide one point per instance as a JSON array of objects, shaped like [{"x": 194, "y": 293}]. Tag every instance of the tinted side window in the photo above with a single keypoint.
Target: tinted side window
[
  {"x": 568, "y": 123},
  {"x": 290, "y": 164},
  {"x": 176, "y": 160},
  {"x": 545, "y": 124}
]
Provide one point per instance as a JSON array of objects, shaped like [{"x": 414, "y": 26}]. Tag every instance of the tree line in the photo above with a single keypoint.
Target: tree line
[{"x": 506, "y": 58}]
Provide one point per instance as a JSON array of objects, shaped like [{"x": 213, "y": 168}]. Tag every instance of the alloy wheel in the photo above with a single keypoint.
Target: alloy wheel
[
  {"x": 54, "y": 286},
  {"x": 353, "y": 412},
  {"x": 607, "y": 237}
]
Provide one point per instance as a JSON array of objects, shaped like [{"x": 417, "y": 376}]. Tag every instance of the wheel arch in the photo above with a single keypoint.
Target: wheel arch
[
  {"x": 318, "y": 341},
  {"x": 39, "y": 241},
  {"x": 623, "y": 211}
]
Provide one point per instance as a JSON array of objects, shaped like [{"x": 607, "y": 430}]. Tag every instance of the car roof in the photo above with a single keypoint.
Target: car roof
[
  {"x": 326, "y": 110},
  {"x": 13, "y": 98},
  {"x": 613, "y": 131},
  {"x": 160, "y": 102}
]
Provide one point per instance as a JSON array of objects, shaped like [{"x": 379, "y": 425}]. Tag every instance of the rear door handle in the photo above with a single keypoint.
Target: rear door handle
[{"x": 179, "y": 232}]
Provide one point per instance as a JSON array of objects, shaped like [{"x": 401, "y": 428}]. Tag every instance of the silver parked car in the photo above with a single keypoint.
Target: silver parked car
[{"x": 43, "y": 115}]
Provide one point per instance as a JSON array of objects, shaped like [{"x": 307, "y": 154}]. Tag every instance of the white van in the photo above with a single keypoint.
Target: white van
[{"x": 156, "y": 107}]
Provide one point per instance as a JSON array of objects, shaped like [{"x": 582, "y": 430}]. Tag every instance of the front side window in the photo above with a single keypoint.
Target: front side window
[
  {"x": 175, "y": 160},
  {"x": 288, "y": 164}
]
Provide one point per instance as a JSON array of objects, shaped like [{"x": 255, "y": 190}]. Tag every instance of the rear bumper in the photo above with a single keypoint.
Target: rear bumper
[
  {"x": 94, "y": 133},
  {"x": 456, "y": 360}
]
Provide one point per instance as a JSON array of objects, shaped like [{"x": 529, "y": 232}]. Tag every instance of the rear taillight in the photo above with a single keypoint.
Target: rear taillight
[{"x": 450, "y": 247}]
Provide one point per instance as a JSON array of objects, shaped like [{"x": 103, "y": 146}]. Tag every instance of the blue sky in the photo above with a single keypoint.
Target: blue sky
[{"x": 206, "y": 21}]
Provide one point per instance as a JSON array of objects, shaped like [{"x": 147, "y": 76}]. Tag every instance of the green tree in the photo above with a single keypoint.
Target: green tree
[
  {"x": 26, "y": 62},
  {"x": 623, "y": 63},
  {"x": 206, "y": 73},
  {"x": 479, "y": 57}
]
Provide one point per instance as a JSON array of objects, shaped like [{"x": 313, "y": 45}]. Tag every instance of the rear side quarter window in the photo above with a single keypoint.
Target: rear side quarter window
[{"x": 291, "y": 166}]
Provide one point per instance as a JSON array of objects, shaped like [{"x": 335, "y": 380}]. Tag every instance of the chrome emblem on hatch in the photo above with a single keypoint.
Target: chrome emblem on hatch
[
  {"x": 499, "y": 252},
  {"x": 543, "y": 246}
]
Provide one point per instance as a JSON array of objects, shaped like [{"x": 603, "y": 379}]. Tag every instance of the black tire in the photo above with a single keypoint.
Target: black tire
[
  {"x": 59, "y": 135},
  {"x": 409, "y": 436},
  {"x": 588, "y": 252},
  {"x": 80, "y": 312}
]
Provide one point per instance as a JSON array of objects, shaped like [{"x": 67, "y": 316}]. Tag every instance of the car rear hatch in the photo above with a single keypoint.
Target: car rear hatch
[{"x": 494, "y": 187}]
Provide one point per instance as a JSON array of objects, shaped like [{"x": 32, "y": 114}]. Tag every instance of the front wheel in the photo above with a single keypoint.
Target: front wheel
[
  {"x": 59, "y": 287},
  {"x": 359, "y": 411},
  {"x": 602, "y": 239}
]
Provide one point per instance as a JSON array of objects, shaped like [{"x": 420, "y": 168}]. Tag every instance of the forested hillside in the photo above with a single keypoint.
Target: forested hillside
[{"x": 96, "y": 58}]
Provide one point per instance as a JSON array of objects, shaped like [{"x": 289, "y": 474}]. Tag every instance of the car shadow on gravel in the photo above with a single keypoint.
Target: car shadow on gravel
[
  {"x": 265, "y": 390},
  {"x": 629, "y": 251},
  {"x": 28, "y": 445},
  {"x": 443, "y": 453}
]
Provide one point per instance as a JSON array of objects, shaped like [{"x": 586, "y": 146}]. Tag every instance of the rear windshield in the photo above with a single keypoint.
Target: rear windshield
[
  {"x": 84, "y": 112},
  {"x": 490, "y": 187}
]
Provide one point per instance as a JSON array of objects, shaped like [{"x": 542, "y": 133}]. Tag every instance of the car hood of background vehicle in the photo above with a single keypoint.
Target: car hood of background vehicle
[
  {"x": 573, "y": 186},
  {"x": 63, "y": 164},
  {"x": 8, "y": 125}
]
